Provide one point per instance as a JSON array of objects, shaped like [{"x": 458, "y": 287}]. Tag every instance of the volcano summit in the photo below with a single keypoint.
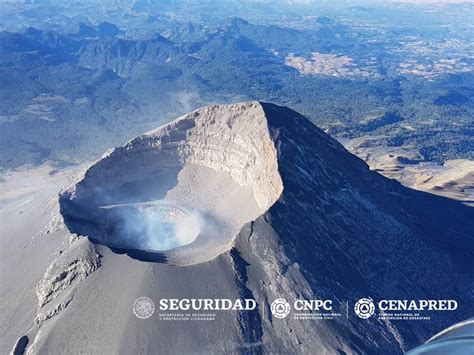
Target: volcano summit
[
  {"x": 245, "y": 201},
  {"x": 201, "y": 178}
]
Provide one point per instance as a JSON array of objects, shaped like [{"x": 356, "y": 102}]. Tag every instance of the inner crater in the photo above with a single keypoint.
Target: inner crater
[
  {"x": 155, "y": 226},
  {"x": 181, "y": 193}
]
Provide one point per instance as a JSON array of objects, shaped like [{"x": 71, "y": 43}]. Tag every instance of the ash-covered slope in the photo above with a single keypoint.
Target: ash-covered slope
[
  {"x": 349, "y": 232},
  {"x": 292, "y": 215}
]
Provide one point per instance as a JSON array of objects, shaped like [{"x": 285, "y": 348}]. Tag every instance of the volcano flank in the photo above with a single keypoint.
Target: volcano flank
[{"x": 248, "y": 201}]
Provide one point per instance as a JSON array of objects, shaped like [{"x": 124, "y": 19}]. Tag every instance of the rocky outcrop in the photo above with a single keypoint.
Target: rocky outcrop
[{"x": 66, "y": 272}]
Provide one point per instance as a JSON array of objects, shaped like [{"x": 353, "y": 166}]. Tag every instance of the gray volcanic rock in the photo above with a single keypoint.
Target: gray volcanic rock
[
  {"x": 297, "y": 217},
  {"x": 349, "y": 232}
]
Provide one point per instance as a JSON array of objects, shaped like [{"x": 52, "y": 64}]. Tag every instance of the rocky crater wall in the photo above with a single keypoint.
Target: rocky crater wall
[{"x": 218, "y": 164}]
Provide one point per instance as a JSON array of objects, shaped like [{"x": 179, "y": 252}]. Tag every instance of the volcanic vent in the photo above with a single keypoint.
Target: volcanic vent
[{"x": 182, "y": 192}]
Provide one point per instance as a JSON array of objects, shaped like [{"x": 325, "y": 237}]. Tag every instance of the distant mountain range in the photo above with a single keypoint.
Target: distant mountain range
[{"x": 98, "y": 86}]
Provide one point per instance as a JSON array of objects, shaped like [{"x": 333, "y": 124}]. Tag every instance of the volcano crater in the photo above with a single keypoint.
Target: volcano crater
[{"x": 181, "y": 193}]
